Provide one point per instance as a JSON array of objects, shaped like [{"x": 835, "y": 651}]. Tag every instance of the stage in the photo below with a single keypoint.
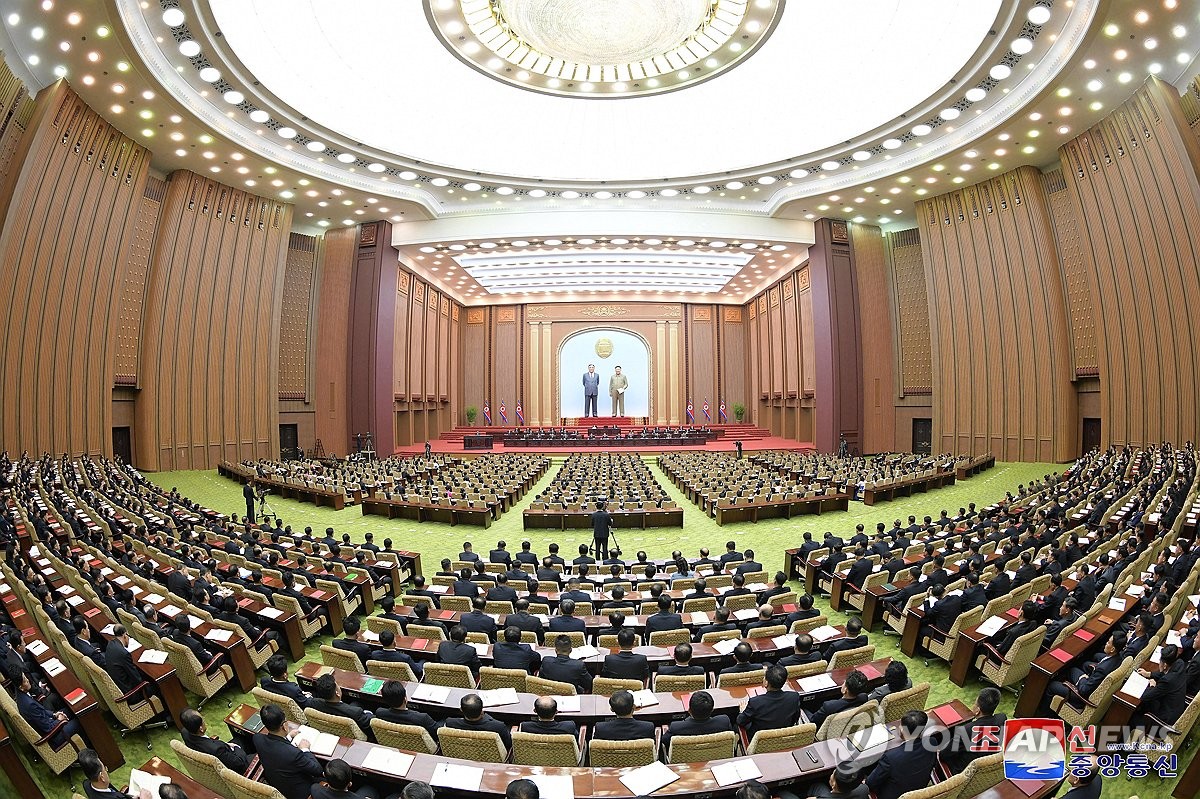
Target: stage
[{"x": 753, "y": 439}]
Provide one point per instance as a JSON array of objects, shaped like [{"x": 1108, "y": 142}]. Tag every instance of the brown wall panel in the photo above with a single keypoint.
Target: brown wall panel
[
  {"x": 878, "y": 346},
  {"x": 911, "y": 312},
  {"x": 1133, "y": 184},
  {"x": 702, "y": 359},
  {"x": 295, "y": 313},
  {"x": 735, "y": 364},
  {"x": 330, "y": 389},
  {"x": 133, "y": 288},
  {"x": 68, "y": 225},
  {"x": 475, "y": 358},
  {"x": 999, "y": 322},
  {"x": 1075, "y": 273},
  {"x": 209, "y": 370}
]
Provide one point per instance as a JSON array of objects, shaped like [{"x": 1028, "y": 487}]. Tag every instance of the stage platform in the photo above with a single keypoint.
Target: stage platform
[{"x": 753, "y": 439}]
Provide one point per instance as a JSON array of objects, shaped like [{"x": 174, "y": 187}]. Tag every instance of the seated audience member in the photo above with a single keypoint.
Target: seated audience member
[
  {"x": 512, "y": 654},
  {"x": 741, "y": 657},
  {"x": 338, "y": 782},
  {"x": 41, "y": 719},
  {"x": 895, "y": 678},
  {"x": 854, "y": 694},
  {"x": 721, "y": 624},
  {"x": 119, "y": 663},
  {"x": 352, "y": 642},
  {"x": 699, "y": 721},
  {"x": 565, "y": 621},
  {"x": 522, "y": 789},
  {"x": 561, "y": 667},
  {"x": 907, "y": 767},
  {"x": 97, "y": 783},
  {"x": 231, "y": 755},
  {"x": 421, "y": 618},
  {"x": 327, "y": 698},
  {"x": 804, "y": 610},
  {"x": 959, "y": 754},
  {"x": 855, "y": 637},
  {"x": 624, "y": 727},
  {"x": 1084, "y": 786},
  {"x": 1028, "y": 621},
  {"x": 1079, "y": 683},
  {"x": 845, "y": 782},
  {"x": 546, "y": 724},
  {"x": 473, "y": 718},
  {"x": 476, "y": 621},
  {"x": 277, "y": 682},
  {"x": 388, "y": 653},
  {"x": 773, "y": 709},
  {"x": 682, "y": 665},
  {"x": 665, "y": 619},
  {"x": 626, "y": 664},
  {"x": 287, "y": 766},
  {"x": 457, "y": 651},
  {"x": 765, "y": 618},
  {"x": 1067, "y": 615},
  {"x": 1164, "y": 701},
  {"x": 396, "y": 710},
  {"x": 183, "y": 635},
  {"x": 802, "y": 652}
]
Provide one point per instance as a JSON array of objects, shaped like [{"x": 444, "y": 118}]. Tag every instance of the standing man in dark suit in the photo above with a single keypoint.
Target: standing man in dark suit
[
  {"x": 232, "y": 756},
  {"x": 601, "y": 524},
  {"x": 591, "y": 390},
  {"x": 625, "y": 664},
  {"x": 699, "y": 720},
  {"x": 624, "y": 727},
  {"x": 772, "y": 710},
  {"x": 906, "y": 767},
  {"x": 287, "y": 767},
  {"x": 561, "y": 667},
  {"x": 248, "y": 495}
]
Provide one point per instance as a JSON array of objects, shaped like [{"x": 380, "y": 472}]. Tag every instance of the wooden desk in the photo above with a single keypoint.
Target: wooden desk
[
  {"x": 641, "y": 519},
  {"x": 785, "y": 509},
  {"x": 975, "y": 466},
  {"x": 15, "y": 769},
  {"x": 907, "y": 487},
  {"x": 193, "y": 789},
  {"x": 423, "y": 512}
]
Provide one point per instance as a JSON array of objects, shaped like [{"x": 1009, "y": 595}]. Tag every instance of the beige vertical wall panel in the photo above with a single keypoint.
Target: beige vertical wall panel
[
  {"x": 330, "y": 394},
  {"x": 878, "y": 346},
  {"x": 295, "y": 313},
  {"x": 911, "y": 311},
  {"x": 1075, "y": 270}
]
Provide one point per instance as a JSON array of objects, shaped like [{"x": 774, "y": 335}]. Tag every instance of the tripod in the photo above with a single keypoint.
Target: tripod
[
  {"x": 265, "y": 510},
  {"x": 595, "y": 548}
]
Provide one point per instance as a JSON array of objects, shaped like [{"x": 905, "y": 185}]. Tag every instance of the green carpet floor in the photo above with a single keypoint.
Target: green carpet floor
[{"x": 768, "y": 540}]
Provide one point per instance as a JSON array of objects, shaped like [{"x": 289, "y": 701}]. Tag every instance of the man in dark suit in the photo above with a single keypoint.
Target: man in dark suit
[
  {"x": 749, "y": 564},
  {"x": 456, "y": 651},
  {"x": 180, "y": 584},
  {"x": 998, "y": 586},
  {"x": 974, "y": 595},
  {"x": 512, "y": 654},
  {"x": 547, "y": 573},
  {"x": 741, "y": 657},
  {"x": 682, "y": 666},
  {"x": 601, "y": 525},
  {"x": 476, "y": 621},
  {"x": 352, "y": 642},
  {"x": 463, "y": 586},
  {"x": 277, "y": 682},
  {"x": 524, "y": 621},
  {"x": 1067, "y": 615},
  {"x": 119, "y": 663},
  {"x": 327, "y": 698},
  {"x": 388, "y": 653},
  {"x": 720, "y": 625},
  {"x": 41, "y": 719},
  {"x": 248, "y": 495},
  {"x": 803, "y": 652},
  {"x": 500, "y": 555},
  {"x": 561, "y": 667},
  {"x": 232, "y": 756},
  {"x": 97, "y": 782},
  {"x": 502, "y": 591},
  {"x": 83, "y": 641},
  {"x": 699, "y": 721},
  {"x": 959, "y": 753},
  {"x": 421, "y": 619},
  {"x": 584, "y": 558},
  {"x": 546, "y": 724},
  {"x": 907, "y": 767},
  {"x": 731, "y": 555},
  {"x": 856, "y": 578},
  {"x": 765, "y": 618},
  {"x": 287, "y": 766},
  {"x": 625, "y": 664},
  {"x": 739, "y": 588},
  {"x": 855, "y": 638},
  {"x": 1027, "y": 622},
  {"x": 1166, "y": 698},
  {"x": 525, "y": 555},
  {"x": 804, "y": 610},
  {"x": 183, "y": 636},
  {"x": 565, "y": 621},
  {"x": 467, "y": 555},
  {"x": 1080, "y": 683},
  {"x": 624, "y": 727},
  {"x": 665, "y": 619},
  {"x": 338, "y": 781},
  {"x": 845, "y": 782},
  {"x": 395, "y": 697},
  {"x": 473, "y": 718},
  {"x": 941, "y": 610},
  {"x": 773, "y": 709},
  {"x": 854, "y": 694},
  {"x": 780, "y": 587}
]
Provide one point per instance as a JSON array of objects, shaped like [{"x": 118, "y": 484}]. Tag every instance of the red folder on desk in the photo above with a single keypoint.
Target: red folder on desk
[
  {"x": 1061, "y": 655},
  {"x": 870, "y": 672},
  {"x": 445, "y": 614},
  {"x": 420, "y": 643},
  {"x": 91, "y": 612},
  {"x": 75, "y": 696},
  {"x": 1084, "y": 635},
  {"x": 947, "y": 715}
]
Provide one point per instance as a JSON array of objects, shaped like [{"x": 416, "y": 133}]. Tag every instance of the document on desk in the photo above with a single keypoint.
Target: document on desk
[
  {"x": 568, "y": 704},
  {"x": 824, "y": 633},
  {"x": 1116, "y": 604},
  {"x": 271, "y": 613},
  {"x": 699, "y": 617},
  {"x": 648, "y": 779},
  {"x": 737, "y": 771},
  {"x": 319, "y": 743},
  {"x": 1135, "y": 685},
  {"x": 817, "y": 682},
  {"x": 431, "y": 693},
  {"x": 482, "y": 649},
  {"x": 220, "y": 634},
  {"x": 745, "y": 614},
  {"x": 554, "y": 786},
  {"x": 152, "y": 599},
  {"x": 644, "y": 698},
  {"x": 786, "y": 641},
  {"x": 156, "y": 656},
  {"x": 579, "y": 653},
  {"x": 499, "y": 696},
  {"x": 726, "y": 646},
  {"x": 53, "y": 667},
  {"x": 991, "y": 626},
  {"x": 453, "y": 775},
  {"x": 36, "y": 648},
  {"x": 140, "y": 780},
  {"x": 387, "y": 760}
]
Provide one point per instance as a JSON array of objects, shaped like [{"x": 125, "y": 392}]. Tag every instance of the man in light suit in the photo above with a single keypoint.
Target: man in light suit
[
  {"x": 591, "y": 389},
  {"x": 616, "y": 389}
]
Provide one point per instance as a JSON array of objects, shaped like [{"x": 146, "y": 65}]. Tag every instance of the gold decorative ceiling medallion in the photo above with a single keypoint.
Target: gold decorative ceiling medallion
[{"x": 603, "y": 48}]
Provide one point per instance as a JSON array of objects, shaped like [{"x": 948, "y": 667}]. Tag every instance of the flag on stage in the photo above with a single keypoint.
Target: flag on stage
[
  {"x": 707, "y": 415},
  {"x": 503, "y": 415},
  {"x": 721, "y": 412},
  {"x": 690, "y": 415},
  {"x": 520, "y": 416},
  {"x": 487, "y": 412}
]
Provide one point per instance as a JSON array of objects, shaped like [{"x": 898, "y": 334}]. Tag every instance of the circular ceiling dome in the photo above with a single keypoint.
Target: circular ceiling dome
[{"x": 602, "y": 49}]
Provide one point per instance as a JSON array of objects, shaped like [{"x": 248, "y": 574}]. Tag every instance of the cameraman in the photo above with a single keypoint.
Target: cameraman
[{"x": 248, "y": 493}]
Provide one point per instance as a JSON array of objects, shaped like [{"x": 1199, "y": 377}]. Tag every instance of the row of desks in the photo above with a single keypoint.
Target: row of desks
[
  {"x": 461, "y": 513},
  {"x": 906, "y": 487},
  {"x": 582, "y": 519},
  {"x": 302, "y": 493}
]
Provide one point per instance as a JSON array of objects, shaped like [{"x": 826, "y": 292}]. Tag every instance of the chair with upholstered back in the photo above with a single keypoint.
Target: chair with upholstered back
[
  {"x": 577, "y": 638},
  {"x": 607, "y": 686},
  {"x": 533, "y": 749},
  {"x": 291, "y": 710},
  {"x": 1169, "y": 736},
  {"x": 839, "y": 725},
  {"x": 340, "y": 726},
  {"x": 950, "y": 788},
  {"x": 408, "y": 737},
  {"x": 741, "y": 602},
  {"x": 1095, "y": 705},
  {"x": 478, "y": 638},
  {"x": 58, "y": 759},
  {"x": 309, "y": 628},
  {"x": 782, "y": 739},
  {"x": 462, "y": 604},
  {"x": 722, "y": 635},
  {"x": 736, "y": 678},
  {"x": 481, "y": 746},
  {"x": 424, "y": 631},
  {"x": 350, "y": 605},
  {"x": 135, "y": 710},
  {"x": 498, "y": 608},
  {"x": 241, "y": 787},
  {"x": 377, "y": 625},
  {"x": 943, "y": 642},
  {"x": 621, "y": 754},
  {"x": 451, "y": 675},
  {"x": 607, "y": 642},
  {"x": 491, "y": 677},
  {"x": 807, "y": 669},
  {"x": 772, "y": 631},
  {"x": 701, "y": 748},
  {"x": 391, "y": 670},
  {"x": 204, "y": 769},
  {"x": 893, "y": 706},
  {"x": 1014, "y": 666},
  {"x": 671, "y": 683},
  {"x": 982, "y": 774},
  {"x": 205, "y": 684},
  {"x": 670, "y": 638},
  {"x": 849, "y": 658},
  {"x": 543, "y": 687},
  {"x": 700, "y": 605},
  {"x": 808, "y": 625},
  {"x": 340, "y": 659}
]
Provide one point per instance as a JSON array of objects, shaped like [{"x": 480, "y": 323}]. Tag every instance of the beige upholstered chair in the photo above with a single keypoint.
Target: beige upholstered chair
[
  {"x": 478, "y": 745},
  {"x": 460, "y": 604},
  {"x": 782, "y": 740},
  {"x": 772, "y": 631},
  {"x": 808, "y": 625},
  {"x": 544, "y": 687},
  {"x": 858, "y": 599},
  {"x": 478, "y": 638},
  {"x": 60, "y": 759},
  {"x": 839, "y": 725},
  {"x": 723, "y": 635},
  {"x": 191, "y": 673},
  {"x": 701, "y": 748},
  {"x": 946, "y": 789},
  {"x": 607, "y": 686},
  {"x": 407, "y": 737},
  {"x": 742, "y": 602},
  {"x": 423, "y": 631},
  {"x": 291, "y": 710},
  {"x": 309, "y": 628},
  {"x": 670, "y": 638},
  {"x": 245, "y": 788},
  {"x": 340, "y": 659},
  {"x": 700, "y": 605},
  {"x": 672, "y": 683},
  {"x": 204, "y": 769},
  {"x": 607, "y": 642},
  {"x": 621, "y": 754},
  {"x": 896, "y": 623},
  {"x": 491, "y": 677},
  {"x": 498, "y": 608},
  {"x": 335, "y": 725},
  {"x": 943, "y": 642},
  {"x": 982, "y": 773},
  {"x": 388, "y": 670},
  {"x": 377, "y": 625},
  {"x": 133, "y": 710},
  {"x": 896, "y": 704},
  {"x": 807, "y": 669},
  {"x": 740, "y": 678},
  {"x": 349, "y": 606},
  {"x": 1096, "y": 705},
  {"x": 1172, "y": 735},
  {"x": 531, "y": 749},
  {"x": 450, "y": 675},
  {"x": 849, "y": 658},
  {"x": 577, "y": 638},
  {"x": 1013, "y": 668}
]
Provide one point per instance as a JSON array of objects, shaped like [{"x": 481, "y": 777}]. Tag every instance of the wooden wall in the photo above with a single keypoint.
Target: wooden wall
[
  {"x": 782, "y": 356},
  {"x": 426, "y": 359},
  {"x": 209, "y": 366},
  {"x": 878, "y": 340},
  {"x": 332, "y": 326}
]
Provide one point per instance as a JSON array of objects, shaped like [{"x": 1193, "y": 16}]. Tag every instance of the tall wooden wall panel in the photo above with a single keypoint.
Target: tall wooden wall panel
[
  {"x": 16, "y": 111},
  {"x": 735, "y": 363},
  {"x": 433, "y": 301},
  {"x": 878, "y": 347},
  {"x": 71, "y": 199},
  {"x": 402, "y": 357},
  {"x": 443, "y": 356},
  {"x": 911, "y": 311},
  {"x": 1002, "y": 366},
  {"x": 475, "y": 359},
  {"x": 416, "y": 340},
  {"x": 836, "y": 337},
  {"x": 507, "y": 364},
  {"x": 330, "y": 387},
  {"x": 701, "y": 338},
  {"x": 210, "y": 349},
  {"x": 1133, "y": 184},
  {"x": 1075, "y": 274},
  {"x": 133, "y": 288},
  {"x": 295, "y": 313}
]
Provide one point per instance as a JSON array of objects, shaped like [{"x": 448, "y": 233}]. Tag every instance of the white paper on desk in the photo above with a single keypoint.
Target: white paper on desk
[
  {"x": 745, "y": 614},
  {"x": 1136, "y": 590},
  {"x": 824, "y": 633},
  {"x": 736, "y": 771},
  {"x": 756, "y": 587},
  {"x": 53, "y": 667},
  {"x": 37, "y": 647},
  {"x": 75, "y": 601},
  {"x": 122, "y": 580},
  {"x": 134, "y": 645},
  {"x": 438, "y": 589},
  {"x": 104, "y": 572},
  {"x": 567, "y": 704},
  {"x": 153, "y": 599},
  {"x": 220, "y": 634},
  {"x": 481, "y": 649},
  {"x": 817, "y": 682},
  {"x": 244, "y": 573},
  {"x": 319, "y": 743},
  {"x": 271, "y": 613},
  {"x": 870, "y": 737},
  {"x": 579, "y": 653},
  {"x": 1195, "y": 599},
  {"x": 1116, "y": 604},
  {"x": 431, "y": 693},
  {"x": 370, "y": 637},
  {"x": 644, "y": 698},
  {"x": 1136, "y": 685},
  {"x": 44, "y": 562},
  {"x": 139, "y": 780},
  {"x": 991, "y": 626},
  {"x": 108, "y": 630},
  {"x": 726, "y": 646},
  {"x": 543, "y": 618},
  {"x": 554, "y": 786},
  {"x": 784, "y": 641},
  {"x": 135, "y": 590},
  {"x": 388, "y": 761},
  {"x": 170, "y": 611},
  {"x": 153, "y": 656},
  {"x": 699, "y": 617},
  {"x": 1173, "y": 638},
  {"x": 452, "y": 775},
  {"x": 648, "y": 779},
  {"x": 499, "y": 696}
]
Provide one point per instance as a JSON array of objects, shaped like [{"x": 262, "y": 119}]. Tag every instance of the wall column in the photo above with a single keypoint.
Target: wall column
[
  {"x": 372, "y": 333},
  {"x": 838, "y": 349}
]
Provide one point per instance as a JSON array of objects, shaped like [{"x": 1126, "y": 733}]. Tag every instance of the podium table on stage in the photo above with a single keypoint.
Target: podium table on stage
[{"x": 478, "y": 441}]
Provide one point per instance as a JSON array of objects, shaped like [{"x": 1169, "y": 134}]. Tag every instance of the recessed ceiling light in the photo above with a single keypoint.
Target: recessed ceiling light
[
  {"x": 1111, "y": 29},
  {"x": 1150, "y": 43},
  {"x": 862, "y": 155},
  {"x": 287, "y": 195},
  {"x": 1141, "y": 17},
  {"x": 702, "y": 189},
  {"x": 537, "y": 193},
  {"x": 1183, "y": 58},
  {"x": 103, "y": 31},
  {"x": 189, "y": 48},
  {"x": 116, "y": 109},
  {"x": 234, "y": 97},
  {"x": 976, "y": 94},
  {"x": 259, "y": 115},
  {"x": 122, "y": 66},
  {"x": 1021, "y": 45},
  {"x": 1038, "y": 15},
  {"x": 504, "y": 190},
  {"x": 734, "y": 185},
  {"x": 376, "y": 167},
  {"x": 181, "y": 153},
  {"x": 1120, "y": 55},
  {"x": 829, "y": 166},
  {"x": 471, "y": 187},
  {"x": 1094, "y": 85},
  {"x": 440, "y": 182},
  {"x": 348, "y": 158},
  {"x": 37, "y": 33},
  {"x": 1096, "y": 106},
  {"x": 1063, "y": 92},
  {"x": 210, "y": 74},
  {"x": 403, "y": 175},
  {"x": 1155, "y": 68},
  {"x": 118, "y": 88},
  {"x": 316, "y": 146},
  {"x": 949, "y": 114},
  {"x": 173, "y": 17},
  {"x": 1035, "y": 116},
  {"x": 668, "y": 192},
  {"x": 14, "y": 18},
  {"x": 599, "y": 195},
  {"x": 1000, "y": 71},
  {"x": 718, "y": 244},
  {"x": 286, "y": 133},
  {"x": 1089, "y": 64},
  {"x": 921, "y": 130},
  {"x": 1124, "y": 77},
  {"x": 1179, "y": 31},
  {"x": 1027, "y": 149}
]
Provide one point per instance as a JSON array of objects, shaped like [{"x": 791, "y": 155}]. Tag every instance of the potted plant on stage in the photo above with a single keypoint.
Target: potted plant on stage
[
  {"x": 739, "y": 411},
  {"x": 472, "y": 412}
]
